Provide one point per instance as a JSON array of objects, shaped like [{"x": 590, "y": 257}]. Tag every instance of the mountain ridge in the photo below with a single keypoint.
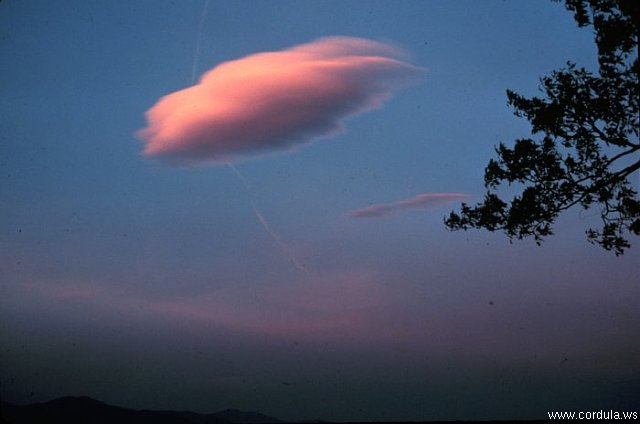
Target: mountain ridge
[
  {"x": 86, "y": 410},
  {"x": 83, "y": 409}
]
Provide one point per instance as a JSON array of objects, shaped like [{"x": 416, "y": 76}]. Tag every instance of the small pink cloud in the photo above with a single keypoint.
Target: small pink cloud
[
  {"x": 421, "y": 201},
  {"x": 275, "y": 100}
]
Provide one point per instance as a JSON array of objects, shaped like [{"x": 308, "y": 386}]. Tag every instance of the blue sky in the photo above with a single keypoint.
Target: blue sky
[{"x": 154, "y": 286}]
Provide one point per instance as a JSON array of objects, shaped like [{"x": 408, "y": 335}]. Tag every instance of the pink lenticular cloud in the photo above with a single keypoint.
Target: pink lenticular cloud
[
  {"x": 275, "y": 100},
  {"x": 421, "y": 201}
]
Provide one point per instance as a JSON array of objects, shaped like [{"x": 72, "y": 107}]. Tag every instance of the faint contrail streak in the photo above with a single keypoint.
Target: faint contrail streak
[
  {"x": 196, "y": 54},
  {"x": 284, "y": 248}
]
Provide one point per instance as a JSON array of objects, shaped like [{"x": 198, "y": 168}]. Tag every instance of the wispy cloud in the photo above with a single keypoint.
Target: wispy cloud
[
  {"x": 421, "y": 201},
  {"x": 336, "y": 304},
  {"x": 275, "y": 100}
]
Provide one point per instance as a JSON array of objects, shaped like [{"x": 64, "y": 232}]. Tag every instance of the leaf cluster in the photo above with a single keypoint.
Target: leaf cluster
[{"x": 587, "y": 142}]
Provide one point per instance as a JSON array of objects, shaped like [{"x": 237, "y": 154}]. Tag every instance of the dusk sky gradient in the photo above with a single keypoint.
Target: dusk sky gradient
[{"x": 140, "y": 268}]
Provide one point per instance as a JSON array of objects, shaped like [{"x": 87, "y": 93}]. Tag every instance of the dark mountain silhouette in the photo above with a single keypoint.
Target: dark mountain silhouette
[
  {"x": 242, "y": 417},
  {"x": 84, "y": 410}
]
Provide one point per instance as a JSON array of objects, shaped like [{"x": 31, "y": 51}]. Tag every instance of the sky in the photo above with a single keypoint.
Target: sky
[{"x": 211, "y": 205}]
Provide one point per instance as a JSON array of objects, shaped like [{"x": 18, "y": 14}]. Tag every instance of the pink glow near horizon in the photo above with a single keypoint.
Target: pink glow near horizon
[
  {"x": 355, "y": 307},
  {"x": 275, "y": 100},
  {"x": 420, "y": 201},
  {"x": 335, "y": 305}
]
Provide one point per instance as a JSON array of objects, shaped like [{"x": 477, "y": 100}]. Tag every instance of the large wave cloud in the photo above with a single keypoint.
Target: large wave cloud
[{"x": 275, "y": 100}]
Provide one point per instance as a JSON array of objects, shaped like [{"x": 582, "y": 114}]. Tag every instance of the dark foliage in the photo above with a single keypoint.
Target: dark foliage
[{"x": 587, "y": 147}]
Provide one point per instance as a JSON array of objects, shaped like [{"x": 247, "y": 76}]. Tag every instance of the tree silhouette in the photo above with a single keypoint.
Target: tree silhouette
[{"x": 588, "y": 143}]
